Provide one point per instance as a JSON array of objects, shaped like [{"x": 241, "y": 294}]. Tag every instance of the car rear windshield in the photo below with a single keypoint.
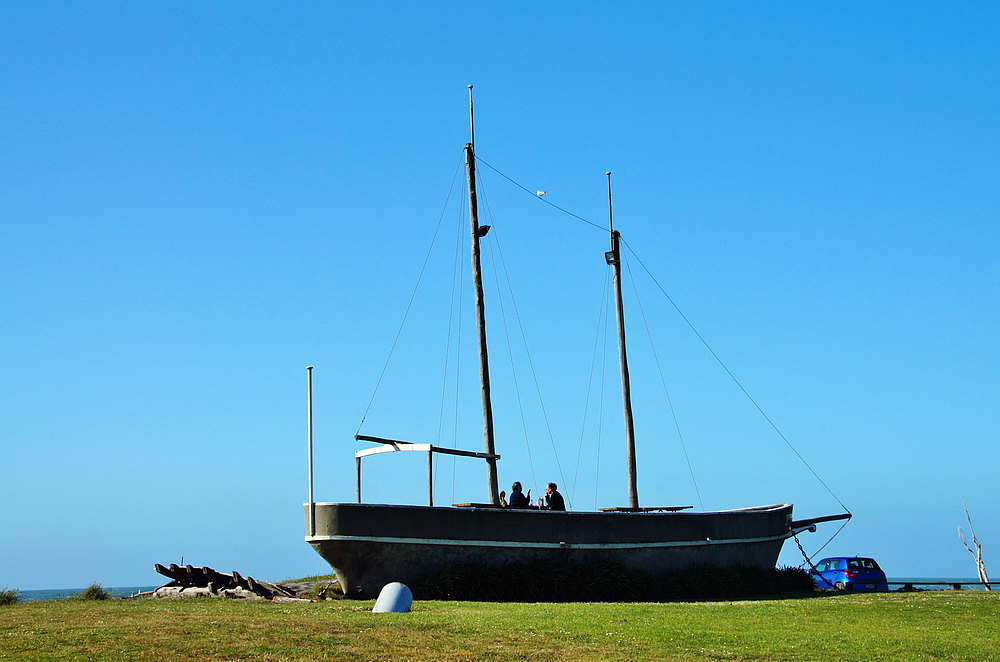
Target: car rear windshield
[{"x": 862, "y": 564}]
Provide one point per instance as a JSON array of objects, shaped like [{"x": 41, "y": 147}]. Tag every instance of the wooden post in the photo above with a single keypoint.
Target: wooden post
[
  {"x": 357, "y": 461},
  {"x": 615, "y": 259},
  {"x": 309, "y": 413},
  {"x": 484, "y": 366},
  {"x": 430, "y": 478}
]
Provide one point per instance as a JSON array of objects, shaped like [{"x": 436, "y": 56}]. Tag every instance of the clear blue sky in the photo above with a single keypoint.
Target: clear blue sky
[{"x": 199, "y": 199}]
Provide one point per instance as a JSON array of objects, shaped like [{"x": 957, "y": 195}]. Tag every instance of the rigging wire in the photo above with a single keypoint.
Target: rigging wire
[
  {"x": 590, "y": 383},
  {"x": 604, "y": 380},
  {"x": 704, "y": 342},
  {"x": 447, "y": 343},
  {"x": 823, "y": 546},
  {"x": 733, "y": 377},
  {"x": 413, "y": 296},
  {"x": 510, "y": 351},
  {"x": 527, "y": 352},
  {"x": 663, "y": 381},
  {"x": 510, "y": 355},
  {"x": 534, "y": 375},
  {"x": 537, "y": 197},
  {"x": 503, "y": 317},
  {"x": 456, "y": 282},
  {"x": 458, "y": 350}
]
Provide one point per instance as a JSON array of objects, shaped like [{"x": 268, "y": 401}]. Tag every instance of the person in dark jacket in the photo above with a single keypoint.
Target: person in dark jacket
[
  {"x": 517, "y": 498},
  {"x": 553, "y": 500}
]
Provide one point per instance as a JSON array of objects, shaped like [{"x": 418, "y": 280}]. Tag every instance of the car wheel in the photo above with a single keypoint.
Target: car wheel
[{"x": 839, "y": 586}]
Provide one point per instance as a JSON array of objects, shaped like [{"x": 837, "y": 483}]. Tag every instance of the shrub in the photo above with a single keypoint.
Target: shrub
[
  {"x": 9, "y": 596},
  {"x": 324, "y": 591},
  {"x": 94, "y": 592},
  {"x": 608, "y": 582},
  {"x": 538, "y": 582}
]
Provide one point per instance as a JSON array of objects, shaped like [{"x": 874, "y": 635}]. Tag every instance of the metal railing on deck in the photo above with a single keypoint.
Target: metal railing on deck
[{"x": 909, "y": 586}]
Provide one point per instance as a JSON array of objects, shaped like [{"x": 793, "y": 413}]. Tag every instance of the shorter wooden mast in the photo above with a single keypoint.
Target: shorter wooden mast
[{"x": 614, "y": 259}]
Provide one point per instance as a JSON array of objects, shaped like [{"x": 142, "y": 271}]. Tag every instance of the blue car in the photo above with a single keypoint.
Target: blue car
[{"x": 849, "y": 573}]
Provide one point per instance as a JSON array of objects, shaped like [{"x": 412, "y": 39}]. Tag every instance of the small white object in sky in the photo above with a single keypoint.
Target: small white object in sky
[{"x": 541, "y": 193}]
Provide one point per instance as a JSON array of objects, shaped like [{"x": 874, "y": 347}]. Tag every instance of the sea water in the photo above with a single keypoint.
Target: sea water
[
  {"x": 63, "y": 593},
  {"x": 940, "y": 583}
]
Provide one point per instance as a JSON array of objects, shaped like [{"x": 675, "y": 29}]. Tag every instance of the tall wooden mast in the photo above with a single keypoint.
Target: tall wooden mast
[
  {"x": 614, "y": 258},
  {"x": 484, "y": 364}
]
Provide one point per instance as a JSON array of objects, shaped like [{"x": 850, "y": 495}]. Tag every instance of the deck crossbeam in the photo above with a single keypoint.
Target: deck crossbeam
[{"x": 394, "y": 445}]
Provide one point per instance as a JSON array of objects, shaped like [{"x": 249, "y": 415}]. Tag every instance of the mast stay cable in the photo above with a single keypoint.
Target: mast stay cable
[
  {"x": 733, "y": 377},
  {"x": 690, "y": 325},
  {"x": 506, "y": 329},
  {"x": 590, "y": 385},
  {"x": 458, "y": 271},
  {"x": 458, "y": 351},
  {"x": 413, "y": 296},
  {"x": 663, "y": 381},
  {"x": 535, "y": 195},
  {"x": 524, "y": 340},
  {"x": 527, "y": 352}
]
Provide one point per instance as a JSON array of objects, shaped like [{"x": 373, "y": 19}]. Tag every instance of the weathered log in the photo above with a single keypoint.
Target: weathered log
[
  {"x": 217, "y": 583},
  {"x": 258, "y": 589}
]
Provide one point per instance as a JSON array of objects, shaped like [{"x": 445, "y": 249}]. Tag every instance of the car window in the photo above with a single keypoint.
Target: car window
[{"x": 834, "y": 564}]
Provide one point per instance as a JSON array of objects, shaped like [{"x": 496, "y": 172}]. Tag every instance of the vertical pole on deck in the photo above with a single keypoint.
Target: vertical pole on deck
[
  {"x": 472, "y": 121},
  {"x": 309, "y": 407},
  {"x": 430, "y": 478}
]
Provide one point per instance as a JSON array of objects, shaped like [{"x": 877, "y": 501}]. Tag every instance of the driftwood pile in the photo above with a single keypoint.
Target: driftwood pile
[{"x": 191, "y": 581}]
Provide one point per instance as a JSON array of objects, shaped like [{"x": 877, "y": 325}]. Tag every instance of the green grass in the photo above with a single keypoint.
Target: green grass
[
  {"x": 917, "y": 627},
  {"x": 312, "y": 578}
]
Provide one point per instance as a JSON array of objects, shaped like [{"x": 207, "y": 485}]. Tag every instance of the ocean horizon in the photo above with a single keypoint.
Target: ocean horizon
[{"x": 44, "y": 595}]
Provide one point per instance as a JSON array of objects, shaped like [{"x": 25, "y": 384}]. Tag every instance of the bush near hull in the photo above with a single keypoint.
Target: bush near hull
[{"x": 546, "y": 582}]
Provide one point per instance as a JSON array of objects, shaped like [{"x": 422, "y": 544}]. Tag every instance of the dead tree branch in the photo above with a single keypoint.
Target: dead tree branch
[{"x": 978, "y": 553}]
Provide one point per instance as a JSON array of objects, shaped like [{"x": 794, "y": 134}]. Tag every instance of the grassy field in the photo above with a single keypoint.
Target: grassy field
[{"x": 938, "y": 625}]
